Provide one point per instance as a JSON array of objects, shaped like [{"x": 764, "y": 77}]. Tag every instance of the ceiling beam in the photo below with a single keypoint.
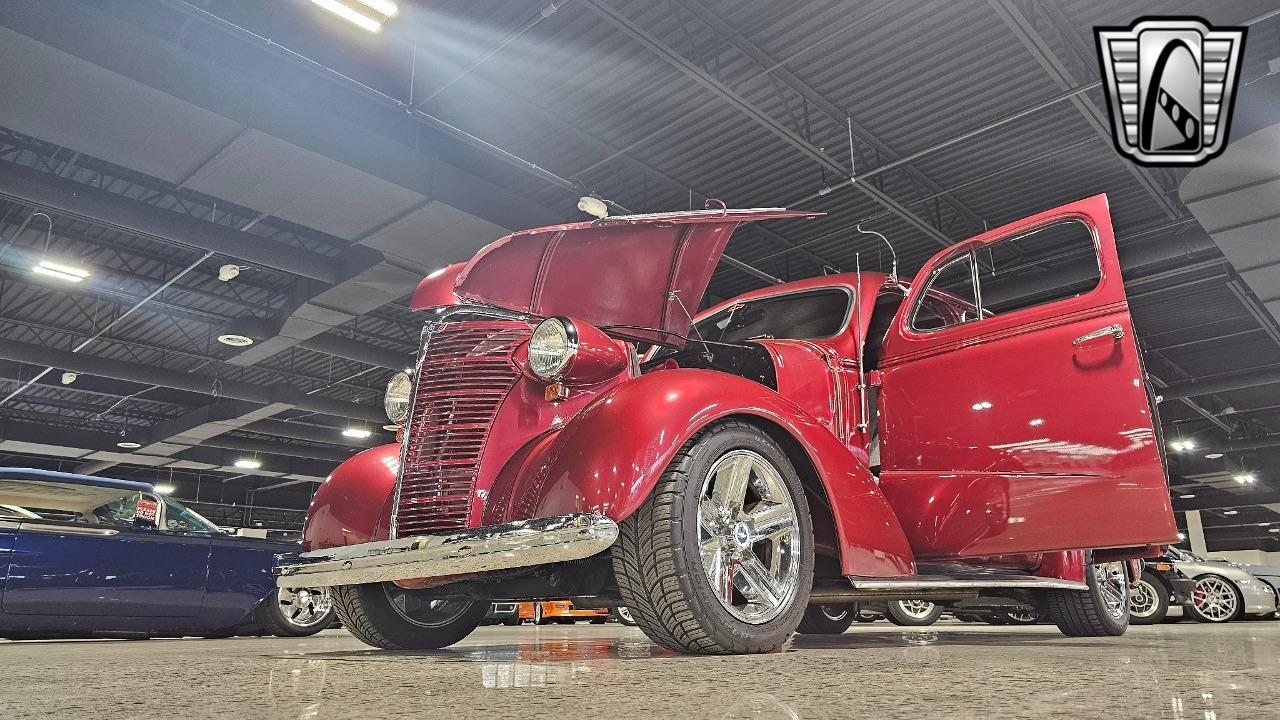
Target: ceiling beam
[
  {"x": 101, "y": 207},
  {"x": 759, "y": 116},
  {"x": 1035, "y": 43},
  {"x": 205, "y": 384}
]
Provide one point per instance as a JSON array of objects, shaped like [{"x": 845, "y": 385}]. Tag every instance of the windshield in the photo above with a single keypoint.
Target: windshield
[
  {"x": 180, "y": 518},
  {"x": 795, "y": 316}
]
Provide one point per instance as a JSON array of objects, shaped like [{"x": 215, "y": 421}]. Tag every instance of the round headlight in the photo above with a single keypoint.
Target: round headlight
[
  {"x": 554, "y": 343},
  {"x": 396, "y": 400}
]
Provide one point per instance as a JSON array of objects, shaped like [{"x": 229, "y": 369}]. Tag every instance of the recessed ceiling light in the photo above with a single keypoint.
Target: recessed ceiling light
[
  {"x": 1187, "y": 496},
  {"x": 235, "y": 340},
  {"x": 61, "y": 271},
  {"x": 163, "y": 489},
  {"x": 248, "y": 463},
  {"x": 358, "y": 433},
  {"x": 1230, "y": 512},
  {"x": 128, "y": 445},
  {"x": 1212, "y": 456}
]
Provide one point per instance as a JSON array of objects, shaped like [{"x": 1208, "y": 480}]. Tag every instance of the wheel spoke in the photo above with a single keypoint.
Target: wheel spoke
[
  {"x": 757, "y": 583},
  {"x": 771, "y": 518},
  {"x": 731, "y": 483},
  {"x": 710, "y": 514}
]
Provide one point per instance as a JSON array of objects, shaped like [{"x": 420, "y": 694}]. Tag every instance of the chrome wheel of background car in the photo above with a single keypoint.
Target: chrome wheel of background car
[
  {"x": 749, "y": 537},
  {"x": 1215, "y": 599},
  {"x": 624, "y": 615},
  {"x": 1143, "y": 601},
  {"x": 427, "y": 612},
  {"x": 305, "y": 607},
  {"x": 835, "y": 613},
  {"x": 1113, "y": 587},
  {"x": 919, "y": 609}
]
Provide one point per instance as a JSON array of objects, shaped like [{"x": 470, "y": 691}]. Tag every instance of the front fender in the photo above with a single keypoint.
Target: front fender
[
  {"x": 608, "y": 458},
  {"x": 353, "y": 505}
]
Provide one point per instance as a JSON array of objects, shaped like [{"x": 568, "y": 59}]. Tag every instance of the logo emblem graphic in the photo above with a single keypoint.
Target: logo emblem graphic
[{"x": 1170, "y": 83}]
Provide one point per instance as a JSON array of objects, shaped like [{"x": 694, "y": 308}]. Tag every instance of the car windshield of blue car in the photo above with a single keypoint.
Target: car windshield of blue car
[{"x": 182, "y": 519}]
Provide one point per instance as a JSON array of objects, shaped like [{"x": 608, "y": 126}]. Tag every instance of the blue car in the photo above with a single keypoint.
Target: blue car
[{"x": 85, "y": 556}]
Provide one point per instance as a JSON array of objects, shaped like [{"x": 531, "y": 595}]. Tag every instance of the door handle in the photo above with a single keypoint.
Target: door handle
[{"x": 1114, "y": 331}]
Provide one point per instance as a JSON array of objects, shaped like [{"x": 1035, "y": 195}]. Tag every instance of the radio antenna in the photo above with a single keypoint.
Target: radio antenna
[{"x": 893, "y": 273}]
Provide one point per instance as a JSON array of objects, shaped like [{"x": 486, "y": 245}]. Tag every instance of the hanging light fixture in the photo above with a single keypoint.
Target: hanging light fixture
[{"x": 55, "y": 267}]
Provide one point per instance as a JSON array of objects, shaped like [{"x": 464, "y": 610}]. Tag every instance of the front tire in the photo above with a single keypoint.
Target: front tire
[
  {"x": 1102, "y": 610},
  {"x": 386, "y": 616},
  {"x": 719, "y": 558},
  {"x": 1215, "y": 599},
  {"x": 1150, "y": 600},
  {"x": 913, "y": 613},
  {"x": 827, "y": 619}
]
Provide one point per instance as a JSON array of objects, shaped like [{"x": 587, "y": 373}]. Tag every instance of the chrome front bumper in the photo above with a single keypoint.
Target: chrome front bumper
[{"x": 496, "y": 547}]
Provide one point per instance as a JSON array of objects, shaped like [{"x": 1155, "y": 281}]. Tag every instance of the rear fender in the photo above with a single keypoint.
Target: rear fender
[
  {"x": 608, "y": 458},
  {"x": 353, "y": 505}
]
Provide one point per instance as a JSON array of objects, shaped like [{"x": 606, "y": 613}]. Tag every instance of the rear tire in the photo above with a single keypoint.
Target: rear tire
[
  {"x": 827, "y": 619},
  {"x": 913, "y": 613},
  {"x": 1102, "y": 610},
  {"x": 386, "y": 616},
  {"x": 729, "y": 506},
  {"x": 1150, "y": 601}
]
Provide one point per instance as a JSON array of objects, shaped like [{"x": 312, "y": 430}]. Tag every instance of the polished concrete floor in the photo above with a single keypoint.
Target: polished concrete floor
[{"x": 950, "y": 670}]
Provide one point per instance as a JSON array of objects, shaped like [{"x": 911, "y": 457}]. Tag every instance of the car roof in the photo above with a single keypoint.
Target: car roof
[{"x": 18, "y": 473}]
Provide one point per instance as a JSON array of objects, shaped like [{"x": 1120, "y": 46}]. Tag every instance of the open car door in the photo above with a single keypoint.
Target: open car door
[{"x": 1020, "y": 420}]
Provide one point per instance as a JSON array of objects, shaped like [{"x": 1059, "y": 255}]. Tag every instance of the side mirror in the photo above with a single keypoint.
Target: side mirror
[{"x": 146, "y": 514}]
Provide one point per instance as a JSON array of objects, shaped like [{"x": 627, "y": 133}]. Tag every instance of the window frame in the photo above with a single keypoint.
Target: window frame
[{"x": 982, "y": 314}]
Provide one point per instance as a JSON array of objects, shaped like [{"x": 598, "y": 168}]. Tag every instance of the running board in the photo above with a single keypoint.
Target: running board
[{"x": 924, "y": 587}]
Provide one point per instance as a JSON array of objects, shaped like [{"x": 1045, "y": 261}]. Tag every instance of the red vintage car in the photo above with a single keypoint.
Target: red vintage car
[{"x": 571, "y": 431}]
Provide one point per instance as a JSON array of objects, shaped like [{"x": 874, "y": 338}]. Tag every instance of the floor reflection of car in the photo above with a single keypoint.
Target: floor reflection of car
[
  {"x": 1223, "y": 590},
  {"x": 1160, "y": 588},
  {"x": 85, "y": 556}
]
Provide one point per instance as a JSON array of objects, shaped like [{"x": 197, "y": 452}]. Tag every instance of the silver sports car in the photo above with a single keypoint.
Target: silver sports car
[{"x": 1224, "y": 590}]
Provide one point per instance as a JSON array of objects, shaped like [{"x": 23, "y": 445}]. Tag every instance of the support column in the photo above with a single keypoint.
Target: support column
[{"x": 1195, "y": 532}]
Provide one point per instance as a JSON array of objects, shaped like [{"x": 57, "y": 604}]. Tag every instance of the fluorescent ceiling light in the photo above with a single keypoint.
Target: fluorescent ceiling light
[
  {"x": 235, "y": 340},
  {"x": 385, "y": 8},
  {"x": 357, "y": 433},
  {"x": 1182, "y": 445},
  {"x": 391, "y": 428},
  {"x": 1213, "y": 456},
  {"x": 128, "y": 445},
  {"x": 351, "y": 15},
  {"x": 1246, "y": 478},
  {"x": 1186, "y": 496},
  {"x": 1182, "y": 536},
  {"x": 248, "y": 463},
  {"x": 1274, "y": 530},
  {"x": 163, "y": 489},
  {"x": 70, "y": 273},
  {"x": 1230, "y": 512}
]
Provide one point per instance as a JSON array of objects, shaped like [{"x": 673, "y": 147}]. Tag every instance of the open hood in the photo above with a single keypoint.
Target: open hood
[{"x": 640, "y": 274}]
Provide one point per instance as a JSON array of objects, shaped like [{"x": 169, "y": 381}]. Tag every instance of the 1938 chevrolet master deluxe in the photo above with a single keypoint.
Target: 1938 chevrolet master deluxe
[{"x": 811, "y": 444}]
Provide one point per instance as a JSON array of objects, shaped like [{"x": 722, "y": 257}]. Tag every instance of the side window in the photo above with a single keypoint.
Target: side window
[
  {"x": 118, "y": 512},
  {"x": 178, "y": 518},
  {"x": 953, "y": 281},
  {"x": 1053, "y": 262}
]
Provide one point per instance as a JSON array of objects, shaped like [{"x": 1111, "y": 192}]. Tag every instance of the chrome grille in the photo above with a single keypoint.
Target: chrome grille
[{"x": 465, "y": 373}]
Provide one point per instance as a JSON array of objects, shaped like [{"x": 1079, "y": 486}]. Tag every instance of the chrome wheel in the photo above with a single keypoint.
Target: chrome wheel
[
  {"x": 1215, "y": 599},
  {"x": 1113, "y": 586},
  {"x": 625, "y": 615},
  {"x": 835, "y": 613},
  {"x": 749, "y": 537},
  {"x": 304, "y": 607},
  {"x": 919, "y": 609},
  {"x": 1143, "y": 601}
]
